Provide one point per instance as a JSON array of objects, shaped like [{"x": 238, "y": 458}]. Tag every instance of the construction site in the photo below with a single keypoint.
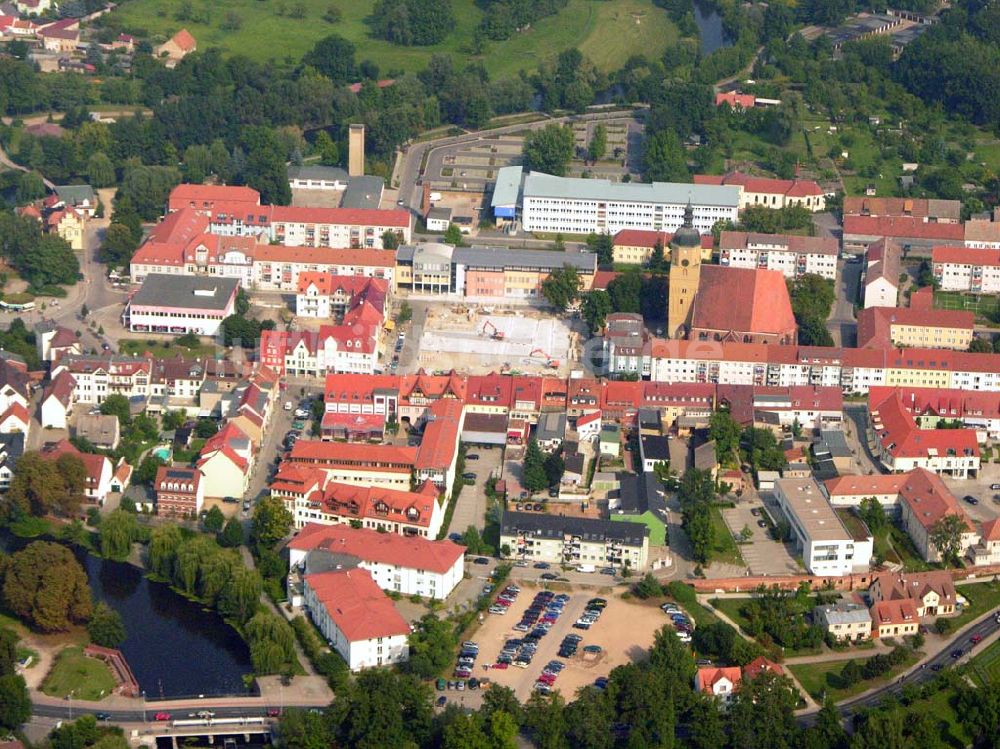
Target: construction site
[{"x": 489, "y": 339}]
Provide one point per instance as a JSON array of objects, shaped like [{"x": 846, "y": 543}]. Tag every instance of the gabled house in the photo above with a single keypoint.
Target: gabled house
[
  {"x": 720, "y": 683},
  {"x": 11, "y": 449},
  {"x": 225, "y": 462},
  {"x": 15, "y": 419},
  {"x": 933, "y": 593},
  {"x": 57, "y": 401},
  {"x": 98, "y": 469}
]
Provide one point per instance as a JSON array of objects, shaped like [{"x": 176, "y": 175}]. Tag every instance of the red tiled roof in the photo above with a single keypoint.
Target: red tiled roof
[
  {"x": 603, "y": 278},
  {"x": 386, "y": 457},
  {"x": 991, "y": 530},
  {"x": 738, "y": 240},
  {"x": 965, "y": 255},
  {"x": 188, "y": 478},
  {"x": 411, "y": 552},
  {"x": 383, "y": 83},
  {"x": 356, "y": 604},
  {"x": 187, "y": 193},
  {"x": 347, "y": 216},
  {"x": 93, "y": 464},
  {"x": 16, "y": 411},
  {"x": 894, "y": 612},
  {"x": 648, "y": 239},
  {"x": 902, "y": 438},
  {"x": 326, "y": 256},
  {"x": 902, "y": 226},
  {"x": 184, "y": 40},
  {"x": 759, "y": 665},
  {"x": 61, "y": 388},
  {"x": 919, "y": 207},
  {"x": 875, "y": 323},
  {"x": 762, "y": 185},
  {"x": 735, "y": 99},
  {"x": 742, "y": 300},
  {"x": 294, "y": 478},
  {"x": 440, "y": 439},
  {"x": 709, "y": 676}
]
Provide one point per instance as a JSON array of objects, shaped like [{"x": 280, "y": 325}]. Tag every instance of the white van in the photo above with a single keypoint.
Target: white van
[{"x": 586, "y": 568}]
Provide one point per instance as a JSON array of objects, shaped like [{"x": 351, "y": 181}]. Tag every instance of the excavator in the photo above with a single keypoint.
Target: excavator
[
  {"x": 496, "y": 335},
  {"x": 549, "y": 361}
]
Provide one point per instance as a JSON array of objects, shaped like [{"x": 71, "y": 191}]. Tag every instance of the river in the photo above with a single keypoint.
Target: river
[
  {"x": 713, "y": 35},
  {"x": 175, "y": 647}
]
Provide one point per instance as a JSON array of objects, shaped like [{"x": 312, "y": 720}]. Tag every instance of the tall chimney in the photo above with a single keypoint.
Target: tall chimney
[{"x": 356, "y": 150}]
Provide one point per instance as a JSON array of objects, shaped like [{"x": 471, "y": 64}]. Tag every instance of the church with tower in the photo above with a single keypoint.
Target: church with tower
[{"x": 716, "y": 303}]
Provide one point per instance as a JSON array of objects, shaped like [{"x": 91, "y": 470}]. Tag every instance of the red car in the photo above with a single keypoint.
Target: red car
[
  {"x": 162, "y": 716},
  {"x": 273, "y": 712},
  {"x": 549, "y": 679},
  {"x": 976, "y": 639},
  {"x": 501, "y": 666}
]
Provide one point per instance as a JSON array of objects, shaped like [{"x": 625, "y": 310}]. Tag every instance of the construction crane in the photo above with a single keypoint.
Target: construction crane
[
  {"x": 496, "y": 335},
  {"x": 549, "y": 361}
]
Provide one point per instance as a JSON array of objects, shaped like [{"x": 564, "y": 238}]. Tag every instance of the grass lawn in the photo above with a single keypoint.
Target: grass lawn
[
  {"x": 724, "y": 548},
  {"x": 981, "y": 596},
  {"x": 939, "y": 706},
  {"x": 161, "y": 349},
  {"x": 823, "y": 679},
  {"x": 657, "y": 531},
  {"x": 596, "y": 27},
  {"x": 984, "y": 306},
  {"x": 985, "y": 667},
  {"x": 87, "y": 678}
]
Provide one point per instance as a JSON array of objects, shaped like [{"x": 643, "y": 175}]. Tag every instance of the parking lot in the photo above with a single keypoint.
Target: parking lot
[
  {"x": 624, "y": 633},
  {"x": 763, "y": 555},
  {"x": 470, "y": 509}
]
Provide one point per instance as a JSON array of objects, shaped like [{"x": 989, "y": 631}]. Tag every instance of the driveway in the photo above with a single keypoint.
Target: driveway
[
  {"x": 841, "y": 324},
  {"x": 762, "y": 554},
  {"x": 472, "y": 502}
]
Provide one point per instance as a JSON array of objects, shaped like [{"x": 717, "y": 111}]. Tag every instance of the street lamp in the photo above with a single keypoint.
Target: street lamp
[{"x": 143, "y": 705}]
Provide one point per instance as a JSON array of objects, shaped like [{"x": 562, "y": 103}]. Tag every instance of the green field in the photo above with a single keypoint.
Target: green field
[
  {"x": 724, "y": 548},
  {"x": 160, "y": 351},
  {"x": 822, "y": 680},
  {"x": 985, "y": 668},
  {"x": 596, "y": 27},
  {"x": 657, "y": 531},
  {"x": 87, "y": 678},
  {"x": 982, "y": 597},
  {"x": 983, "y": 305}
]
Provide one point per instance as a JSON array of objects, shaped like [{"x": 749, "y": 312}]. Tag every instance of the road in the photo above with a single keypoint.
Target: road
[
  {"x": 414, "y": 156},
  {"x": 858, "y": 414},
  {"x": 841, "y": 323},
  {"x": 925, "y": 671}
]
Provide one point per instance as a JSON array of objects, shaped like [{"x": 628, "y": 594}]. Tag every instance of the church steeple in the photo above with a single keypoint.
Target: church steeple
[{"x": 685, "y": 274}]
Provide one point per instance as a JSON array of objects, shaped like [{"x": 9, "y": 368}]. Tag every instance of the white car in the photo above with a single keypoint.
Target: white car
[
  {"x": 301, "y": 413},
  {"x": 288, "y": 405}
]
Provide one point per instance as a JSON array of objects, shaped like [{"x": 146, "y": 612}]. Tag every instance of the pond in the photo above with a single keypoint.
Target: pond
[
  {"x": 713, "y": 35},
  {"x": 175, "y": 647}
]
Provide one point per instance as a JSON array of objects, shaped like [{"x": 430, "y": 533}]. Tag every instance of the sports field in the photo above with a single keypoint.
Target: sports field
[{"x": 607, "y": 32}]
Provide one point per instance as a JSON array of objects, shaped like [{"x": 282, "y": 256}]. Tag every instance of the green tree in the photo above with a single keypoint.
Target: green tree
[
  {"x": 271, "y": 521},
  {"x": 145, "y": 474},
  {"x": 390, "y": 240},
  {"x": 555, "y": 467},
  {"x": 333, "y": 56},
  {"x": 603, "y": 245},
  {"x": 562, "y": 287},
  {"x": 762, "y": 715},
  {"x": 549, "y": 149},
  {"x": 725, "y": 432},
  {"x": 45, "y": 585},
  {"x": 453, "y": 236},
  {"x": 595, "y": 308},
  {"x": 118, "y": 246},
  {"x": 648, "y": 587},
  {"x": 37, "y": 489},
  {"x": 271, "y": 641},
  {"x": 663, "y": 158},
  {"x": 304, "y": 729},
  {"x": 117, "y": 405},
  {"x": 100, "y": 170},
  {"x": 598, "y": 143},
  {"x": 30, "y": 187},
  {"x": 51, "y": 262},
  {"x": 707, "y": 729},
  {"x": 535, "y": 478},
  {"x": 205, "y": 428},
  {"x": 827, "y": 732},
  {"x": 239, "y": 599},
  {"x": 432, "y": 647},
  {"x": 8, "y": 651},
  {"x": 760, "y": 448},
  {"x": 329, "y": 152},
  {"x": 545, "y": 718},
  {"x": 232, "y": 534},
  {"x": 214, "y": 520},
  {"x": 383, "y": 709},
  {"x": 164, "y": 542},
  {"x": 118, "y": 532},
  {"x": 173, "y": 420},
  {"x": 871, "y": 511},
  {"x": 106, "y": 627},
  {"x": 946, "y": 535},
  {"x": 413, "y": 22},
  {"x": 589, "y": 719},
  {"x": 15, "y": 703}
]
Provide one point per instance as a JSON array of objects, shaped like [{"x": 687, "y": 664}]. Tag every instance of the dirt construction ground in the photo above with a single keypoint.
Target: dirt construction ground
[{"x": 625, "y": 633}]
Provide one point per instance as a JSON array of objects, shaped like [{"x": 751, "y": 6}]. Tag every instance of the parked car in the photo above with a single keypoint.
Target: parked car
[
  {"x": 162, "y": 716},
  {"x": 472, "y": 456},
  {"x": 549, "y": 576},
  {"x": 995, "y": 487},
  {"x": 970, "y": 499},
  {"x": 480, "y": 560},
  {"x": 976, "y": 639},
  {"x": 442, "y": 701},
  {"x": 541, "y": 565}
]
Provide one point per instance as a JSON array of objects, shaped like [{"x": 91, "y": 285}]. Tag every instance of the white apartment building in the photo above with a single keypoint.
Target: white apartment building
[
  {"x": 357, "y": 618},
  {"x": 976, "y": 271},
  {"x": 404, "y": 564},
  {"x": 791, "y": 255},
  {"x": 828, "y": 547},
  {"x": 572, "y": 540},
  {"x": 580, "y": 206}
]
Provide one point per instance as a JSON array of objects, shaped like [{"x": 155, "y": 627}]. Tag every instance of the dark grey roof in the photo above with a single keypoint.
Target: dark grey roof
[
  {"x": 12, "y": 447},
  {"x": 476, "y": 422},
  {"x": 318, "y": 172},
  {"x": 322, "y": 560},
  {"x": 76, "y": 194},
  {"x": 551, "y": 426},
  {"x": 557, "y": 526},
  {"x": 363, "y": 192},
  {"x": 502, "y": 257},
  {"x": 649, "y": 418},
  {"x": 836, "y": 442},
  {"x": 575, "y": 463},
  {"x": 638, "y": 494},
  {"x": 186, "y": 292},
  {"x": 439, "y": 212},
  {"x": 655, "y": 447}
]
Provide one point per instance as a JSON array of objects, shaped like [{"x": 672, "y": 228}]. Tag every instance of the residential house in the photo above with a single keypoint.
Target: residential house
[
  {"x": 53, "y": 341},
  {"x": 916, "y": 326},
  {"x": 103, "y": 432},
  {"x": 718, "y": 682},
  {"x": 225, "y": 462},
  {"x": 80, "y": 198},
  {"x": 57, "y": 401},
  {"x": 880, "y": 280},
  {"x": 987, "y": 551},
  {"x": 535, "y": 537},
  {"x": 176, "y": 48},
  {"x": 769, "y": 193},
  {"x": 15, "y": 419},
  {"x": 588, "y": 426},
  {"x": 179, "y": 490},
  {"x": 844, "y": 621},
  {"x": 551, "y": 431},
  {"x": 791, "y": 255},
  {"x": 894, "y": 618},
  {"x": 933, "y": 593},
  {"x": 11, "y": 449},
  {"x": 976, "y": 271},
  {"x": 610, "y": 440},
  {"x": 98, "y": 469},
  {"x": 636, "y": 246}
]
